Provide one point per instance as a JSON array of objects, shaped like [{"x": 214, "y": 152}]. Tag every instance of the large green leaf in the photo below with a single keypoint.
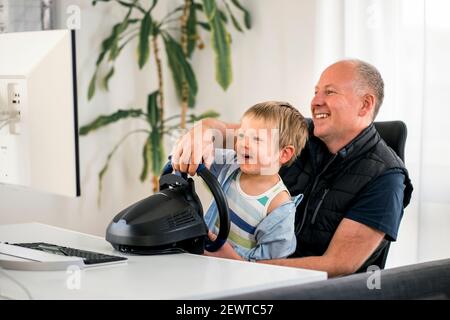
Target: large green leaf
[
  {"x": 109, "y": 45},
  {"x": 179, "y": 66},
  {"x": 192, "y": 118},
  {"x": 175, "y": 69},
  {"x": 233, "y": 18},
  {"x": 175, "y": 59},
  {"x": 192, "y": 41},
  {"x": 223, "y": 16},
  {"x": 220, "y": 43},
  {"x": 191, "y": 30},
  {"x": 117, "y": 31},
  {"x": 144, "y": 35},
  {"x": 102, "y": 121},
  {"x": 157, "y": 152},
  {"x": 207, "y": 114},
  {"x": 147, "y": 156},
  {"x": 247, "y": 16},
  {"x": 91, "y": 90},
  {"x": 153, "y": 112},
  {"x": 107, "y": 78},
  {"x": 188, "y": 73},
  {"x": 153, "y": 150},
  {"x": 153, "y": 155},
  {"x": 191, "y": 100}
]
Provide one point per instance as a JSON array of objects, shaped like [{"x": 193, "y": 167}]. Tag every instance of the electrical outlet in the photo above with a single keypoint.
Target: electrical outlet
[
  {"x": 14, "y": 95},
  {"x": 15, "y": 100}
]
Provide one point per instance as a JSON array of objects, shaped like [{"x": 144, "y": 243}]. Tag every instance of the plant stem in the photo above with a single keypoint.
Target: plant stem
[
  {"x": 184, "y": 46},
  {"x": 160, "y": 75},
  {"x": 155, "y": 179},
  {"x": 155, "y": 183},
  {"x": 171, "y": 118}
]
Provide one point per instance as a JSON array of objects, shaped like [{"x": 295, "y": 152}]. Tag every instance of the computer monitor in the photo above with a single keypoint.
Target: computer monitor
[{"x": 38, "y": 111}]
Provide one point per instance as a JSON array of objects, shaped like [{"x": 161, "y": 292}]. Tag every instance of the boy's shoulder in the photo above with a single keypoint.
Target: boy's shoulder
[{"x": 280, "y": 199}]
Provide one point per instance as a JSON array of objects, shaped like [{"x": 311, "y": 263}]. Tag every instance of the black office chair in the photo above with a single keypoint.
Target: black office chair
[{"x": 394, "y": 134}]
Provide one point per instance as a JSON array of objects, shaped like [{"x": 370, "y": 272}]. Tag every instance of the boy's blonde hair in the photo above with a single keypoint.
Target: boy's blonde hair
[{"x": 292, "y": 126}]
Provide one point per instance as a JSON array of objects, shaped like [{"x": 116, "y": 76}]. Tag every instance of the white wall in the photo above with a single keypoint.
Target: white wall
[{"x": 271, "y": 61}]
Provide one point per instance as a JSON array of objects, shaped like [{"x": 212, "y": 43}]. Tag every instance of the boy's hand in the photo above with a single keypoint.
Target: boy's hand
[
  {"x": 195, "y": 147},
  {"x": 226, "y": 251}
]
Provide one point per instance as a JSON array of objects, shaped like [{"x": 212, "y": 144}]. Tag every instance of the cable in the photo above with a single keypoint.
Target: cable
[
  {"x": 4, "y": 123},
  {"x": 27, "y": 292},
  {"x": 11, "y": 116}
]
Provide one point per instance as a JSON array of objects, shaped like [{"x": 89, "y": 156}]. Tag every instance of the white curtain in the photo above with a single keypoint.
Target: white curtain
[{"x": 409, "y": 42}]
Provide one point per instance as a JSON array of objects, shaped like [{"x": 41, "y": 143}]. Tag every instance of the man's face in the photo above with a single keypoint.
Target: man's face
[{"x": 336, "y": 107}]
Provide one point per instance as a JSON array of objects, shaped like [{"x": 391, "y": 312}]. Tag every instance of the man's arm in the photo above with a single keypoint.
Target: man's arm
[
  {"x": 376, "y": 214},
  {"x": 350, "y": 247},
  {"x": 352, "y": 244},
  {"x": 198, "y": 144}
]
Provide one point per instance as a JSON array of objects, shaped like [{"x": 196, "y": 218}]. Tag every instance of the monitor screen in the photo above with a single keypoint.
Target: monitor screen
[{"x": 38, "y": 111}]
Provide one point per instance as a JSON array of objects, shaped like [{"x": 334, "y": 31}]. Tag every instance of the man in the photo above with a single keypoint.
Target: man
[{"x": 354, "y": 186}]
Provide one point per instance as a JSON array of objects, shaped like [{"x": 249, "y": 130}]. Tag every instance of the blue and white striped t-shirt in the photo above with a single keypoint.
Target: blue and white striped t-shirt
[
  {"x": 247, "y": 211},
  {"x": 254, "y": 234}
]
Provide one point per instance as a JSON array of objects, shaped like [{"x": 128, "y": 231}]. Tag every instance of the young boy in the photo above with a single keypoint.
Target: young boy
[{"x": 262, "y": 212}]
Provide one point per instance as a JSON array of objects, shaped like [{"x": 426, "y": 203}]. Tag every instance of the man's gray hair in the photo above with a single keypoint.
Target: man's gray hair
[{"x": 369, "y": 78}]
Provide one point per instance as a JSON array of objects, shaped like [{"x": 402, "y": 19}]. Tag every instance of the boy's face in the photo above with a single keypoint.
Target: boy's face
[{"x": 257, "y": 147}]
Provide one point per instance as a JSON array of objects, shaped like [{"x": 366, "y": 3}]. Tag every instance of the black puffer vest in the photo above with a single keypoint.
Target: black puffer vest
[{"x": 331, "y": 183}]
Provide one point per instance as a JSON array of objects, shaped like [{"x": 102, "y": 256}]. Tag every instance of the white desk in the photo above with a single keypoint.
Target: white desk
[{"x": 178, "y": 276}]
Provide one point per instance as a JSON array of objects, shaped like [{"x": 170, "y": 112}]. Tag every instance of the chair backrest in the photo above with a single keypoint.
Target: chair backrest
[{"x": 394, "y": 133}]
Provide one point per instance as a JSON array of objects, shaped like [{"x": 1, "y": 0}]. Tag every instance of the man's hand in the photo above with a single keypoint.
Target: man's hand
[
  {"x": 193, "y": 148},
  {"x": 226, "y": 251},
  {"x": 197, "y": 145}
]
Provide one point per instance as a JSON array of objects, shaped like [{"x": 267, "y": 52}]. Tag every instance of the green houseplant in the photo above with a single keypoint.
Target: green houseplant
[{"x": 179, "y": 32}]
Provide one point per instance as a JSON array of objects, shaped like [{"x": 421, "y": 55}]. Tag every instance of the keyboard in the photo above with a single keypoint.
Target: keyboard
[{"x": 89, "y": 257}]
